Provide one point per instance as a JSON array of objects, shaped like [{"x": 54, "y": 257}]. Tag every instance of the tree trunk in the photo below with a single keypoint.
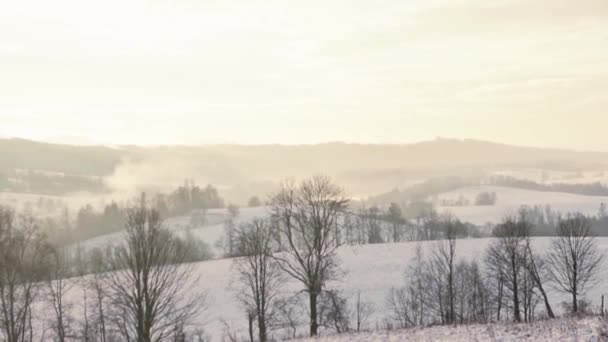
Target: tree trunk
[
  {"x": 250, "y": 321},
  {"x": 546, "y": 300},
  {"x": 313, "y": 313},
  {"x": 500, "y": 289},
  {"x": 516, "y": 312},
  {"x": 262, "y": 328}
]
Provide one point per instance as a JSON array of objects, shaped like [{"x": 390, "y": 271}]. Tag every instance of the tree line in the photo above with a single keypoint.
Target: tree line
[{"x": 140, "y": 289}]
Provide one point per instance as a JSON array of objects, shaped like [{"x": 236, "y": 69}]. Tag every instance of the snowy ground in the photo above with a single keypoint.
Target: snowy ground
[
  {"x": 511, "y": 199},
  {"x": 371, "y": 269},
  {"x": 555, "y": 176},
  {"x": 588, "y": 329}
]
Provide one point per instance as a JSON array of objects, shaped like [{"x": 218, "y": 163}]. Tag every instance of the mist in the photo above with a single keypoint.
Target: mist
[{"x": 337, "y": 170}]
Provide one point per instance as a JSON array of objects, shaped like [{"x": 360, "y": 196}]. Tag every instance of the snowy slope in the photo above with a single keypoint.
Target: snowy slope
[
  {"x": 371, "y": 269},
  {"x": 511, "y": 199}
]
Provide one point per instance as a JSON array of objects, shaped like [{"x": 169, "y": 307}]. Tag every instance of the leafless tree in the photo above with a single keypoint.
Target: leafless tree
[
  {"x": 362, "y": 312},
  {"x": 374, "y": 225},
  {"x": 308, "y": 214},
  {"x": 259, "y": 273},
  {"x": 402, "y": 312},
  {"x": 574, "y": 257},
  {"x": 23, "y": 267},
  {"x": 444, "y": 260},
  {"x": 98, "y": 265},
  {"x": 58, "y": 284},
  {"x": 229, "y": 238},
  {"x": 289, "y": 315},
  {"x": 151, "y": 290},
  {"x": 397, "y": 221},
  {"x": 472, "y": 293},
  {"x": 417, "y": 275},
  {"x": 536, "y": 267},
  {"x": 334, "y": 311},
  {"x": 506, "y": 256}
]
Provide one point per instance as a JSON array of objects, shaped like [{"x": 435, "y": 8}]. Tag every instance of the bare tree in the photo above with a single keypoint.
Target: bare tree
[
  {"x": 535, "y": 266},
  {"x": 334, "y": 311},
  {"x": 399, "y": 303},
  {"x": 58, "y": 285},
  {"x": 374, "y": 225},
  {"x": 152, "y": 291},
  {"x": 574, "y": 257},
  {"x": 417, "y": 275},
  {"x": 23, "y": 267},
  {"x": 396, "y": 219},
  {"x": 289, "y": 315},
  {"x": 98, "y": 266},
  {"x": 259, "y": 274},
  {"x": 229, "y": 243},
  {"x": 308, "y": 214},
  {"x": 444, "y": 259},
  {"x": 362, "y": 312},
  {"x": 472, "y": 293},
  {"x": 506, "y": 256}
]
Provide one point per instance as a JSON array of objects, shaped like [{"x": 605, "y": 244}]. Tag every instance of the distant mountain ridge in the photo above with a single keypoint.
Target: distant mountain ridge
[{"x": 361, "y": 167}]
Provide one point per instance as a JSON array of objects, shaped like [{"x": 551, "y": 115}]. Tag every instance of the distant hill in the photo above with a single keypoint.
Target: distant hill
[{"x": 361, "y": 168}]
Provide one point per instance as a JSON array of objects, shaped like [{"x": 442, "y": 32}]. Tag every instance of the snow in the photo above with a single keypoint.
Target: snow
[
  {"x": 509, "y": 200},
  {"x": 371, "y": 269},
  {"x": 588, "y": 329},
  {"x": 555, "y": 176}
]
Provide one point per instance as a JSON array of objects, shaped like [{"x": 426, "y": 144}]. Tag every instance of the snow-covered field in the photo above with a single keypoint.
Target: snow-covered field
[
  {"x": 511, "y": 199},
  {"x": 371, "y": 269},
  {"x": 588, "y": 329},
  {"x": 555, "y": 176}
]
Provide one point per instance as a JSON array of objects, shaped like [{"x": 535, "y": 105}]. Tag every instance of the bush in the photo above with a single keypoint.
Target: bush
[{"x": 485, "y": 198}]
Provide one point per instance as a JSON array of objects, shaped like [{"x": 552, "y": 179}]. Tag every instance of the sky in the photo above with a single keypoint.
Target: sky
[{"x": 526, "y": 72}]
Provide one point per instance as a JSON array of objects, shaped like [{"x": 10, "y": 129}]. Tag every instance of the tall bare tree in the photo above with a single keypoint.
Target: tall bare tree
[
  {"x": 58, "y": 285},
  {"x": 152, "y": 290},
  {"x": 95, "y": 282},
  {"x": 308, "y": 214},
  {"x": 535, "y": 266},
  {"x": 506, "y": 256},
  {"x": 444, "y": 262},
  {"x": 574, "y": 258},
  {"x": 23, "y": 267},
  {"x": 395, "y": 216},
  {"x": 259, "y": 273},
  {"x": 362, "y": 312}
]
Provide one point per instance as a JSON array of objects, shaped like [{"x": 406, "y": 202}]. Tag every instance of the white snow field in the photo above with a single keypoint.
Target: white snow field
[
  {"x": 509, "y": 200},
  {"x": 563, "y": 330},
  {"x": 371, "y": 269}
]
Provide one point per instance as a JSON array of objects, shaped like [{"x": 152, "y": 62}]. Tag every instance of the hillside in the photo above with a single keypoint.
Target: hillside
[
  {"x": 509, "y": 200},
  {"x": 362, "y": 169},
  {"x": 371, "y": 269}
]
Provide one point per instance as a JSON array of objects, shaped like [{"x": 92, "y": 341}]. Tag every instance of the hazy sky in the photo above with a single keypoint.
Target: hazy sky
[{"x": 531, "y": 72}]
